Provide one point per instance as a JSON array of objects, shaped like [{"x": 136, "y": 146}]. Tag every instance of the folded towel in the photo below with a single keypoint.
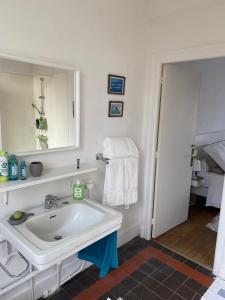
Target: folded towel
[
  {"x": 131, "y": 180},
  {"x": 121, "y": 177},
  {"x": 119, "y": 147},
  {"x": 121, "y": 182},
  {"x": 102, "y": 253},
  {"x": 114, "y": 192}
]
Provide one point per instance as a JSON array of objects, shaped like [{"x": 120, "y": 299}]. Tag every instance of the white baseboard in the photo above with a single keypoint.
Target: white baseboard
[{"x": 128, "y": 234}]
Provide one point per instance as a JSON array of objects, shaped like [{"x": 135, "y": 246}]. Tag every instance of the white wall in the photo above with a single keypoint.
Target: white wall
[
  {"x": 211, "y": 108},
  {"x": 159, "y": 8},
  {"x": 98, "y": 37}
]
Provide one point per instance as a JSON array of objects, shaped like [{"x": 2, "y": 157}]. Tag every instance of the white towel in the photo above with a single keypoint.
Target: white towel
[
  {"x": 131, "y": 180},
  {"x": 121, "y": 178},
  {"x": 119, "y": 147},
  {"x": 114, "y": 193}
]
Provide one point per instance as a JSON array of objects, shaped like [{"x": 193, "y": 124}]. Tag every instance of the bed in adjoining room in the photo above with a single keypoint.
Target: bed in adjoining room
[{"x": 210, "y": 156}]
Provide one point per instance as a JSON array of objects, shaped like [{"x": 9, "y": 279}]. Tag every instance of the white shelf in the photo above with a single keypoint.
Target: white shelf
[{"x": 48, "y": 176}]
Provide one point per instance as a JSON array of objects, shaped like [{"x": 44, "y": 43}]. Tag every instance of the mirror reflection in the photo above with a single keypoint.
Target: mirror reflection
[{"x": 36, "y": 107}]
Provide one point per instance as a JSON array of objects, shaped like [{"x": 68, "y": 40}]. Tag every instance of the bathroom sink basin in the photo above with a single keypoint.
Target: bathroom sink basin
[
  {"x": 67, "y": 221},
  {"x": 50, "y": 236}
]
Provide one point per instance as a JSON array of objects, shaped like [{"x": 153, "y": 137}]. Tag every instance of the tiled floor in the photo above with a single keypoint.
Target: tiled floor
[{"x": 147, "y": 271}]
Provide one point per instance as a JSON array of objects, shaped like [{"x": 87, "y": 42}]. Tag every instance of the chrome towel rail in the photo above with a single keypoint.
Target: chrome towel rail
[
  {"x": 100, "y": 156},
  {"x": 19, "y": 274}
]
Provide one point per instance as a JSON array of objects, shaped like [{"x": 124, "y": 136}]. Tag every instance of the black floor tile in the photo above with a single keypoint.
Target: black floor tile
[
  {"x": 93, "y": 272},
  {"x": 73, "y": 287},
  {"x": 179, "y": 257},
  {"x": 119, "y": 290},
  {"x": 204, "y": 271},
  {"x": 166, "y": 269},
  {"x": 163, "y": 292},
  {"x": 153, "y": 296},
  {"x": 141, "y": 292},
  {"x": 202, "y": 290},
  {"x": 158, "y": 275},
  {"x": 190, "y": 263},
  {"x": 178, "y": 276},
  {"x": 194, "y": 285},
  {"x": 122, "y": 249},
  {"x": 186, "y": 292},
  {"x": 130, "y": 283},
  {"x": 155, "y": 262},
  {"x": 155, "y": 245},
  {"x": 171, "y": 283},
  {"x": 84, "y": 279},
  {"x": 126, "y": 255},
  {"x": 60, "y": 295},
  {"x": 167, "y": 251},
  {"x": 134, "y": 249},
  {"x": 197, "y": 297},
  {"x": 176, "y": 297},
  {"x": 138, "y": 276},
  {"x": 150, "y": 283},
  {"x": 147, "y": 269},
  {"x": 130, "y": 296},
  {"x": 121, "y": 260}
]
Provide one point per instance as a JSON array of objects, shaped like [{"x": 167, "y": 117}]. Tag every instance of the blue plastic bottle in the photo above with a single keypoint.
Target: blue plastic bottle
[
  {"x": 23, "y": 170},
  {"x": 13, "y": 168}
]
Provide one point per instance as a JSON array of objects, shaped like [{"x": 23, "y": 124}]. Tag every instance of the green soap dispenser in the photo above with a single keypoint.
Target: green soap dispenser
[
  {"x": 78, "y": 191},
  {"x": 3, "y": 167}
]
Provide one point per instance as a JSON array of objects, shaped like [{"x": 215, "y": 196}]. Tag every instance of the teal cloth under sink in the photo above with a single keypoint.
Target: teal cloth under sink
[{"x": 102, "y": 253}]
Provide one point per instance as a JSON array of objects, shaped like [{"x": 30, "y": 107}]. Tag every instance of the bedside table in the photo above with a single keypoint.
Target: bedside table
[{"x": 197, "y": 181}]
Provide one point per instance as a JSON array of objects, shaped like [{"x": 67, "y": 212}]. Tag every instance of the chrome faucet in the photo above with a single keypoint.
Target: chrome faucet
[{"x": 50, "y": 201}]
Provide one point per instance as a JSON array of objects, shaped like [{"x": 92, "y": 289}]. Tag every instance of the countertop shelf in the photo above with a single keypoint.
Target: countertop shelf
[{"x": 48, "y": 176}]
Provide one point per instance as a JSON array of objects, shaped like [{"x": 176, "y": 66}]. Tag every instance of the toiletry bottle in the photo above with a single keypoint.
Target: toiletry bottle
[
  {"x": 78, "y": 190},
  {"x": 3, "y": 167},
  {"x": 23, "y": 170},
  {"x": 13, "y": 168}
]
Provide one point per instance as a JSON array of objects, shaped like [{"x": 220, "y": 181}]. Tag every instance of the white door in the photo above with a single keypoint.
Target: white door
[{"x": 179, "y": 100}]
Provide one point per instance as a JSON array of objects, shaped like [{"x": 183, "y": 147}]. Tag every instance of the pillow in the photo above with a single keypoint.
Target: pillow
[{"x": 217, "y": 152}]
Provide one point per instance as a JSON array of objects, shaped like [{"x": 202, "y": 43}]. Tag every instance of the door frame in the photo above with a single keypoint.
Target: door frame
[{"x": 150, "y": 135}]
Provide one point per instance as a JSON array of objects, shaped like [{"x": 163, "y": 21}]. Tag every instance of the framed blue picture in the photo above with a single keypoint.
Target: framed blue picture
[
  {"x": 116, "y": 84},
  {"x": 115, "y": 108}
]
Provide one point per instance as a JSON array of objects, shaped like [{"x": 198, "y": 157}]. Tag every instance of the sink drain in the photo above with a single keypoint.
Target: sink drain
[{"x": 58, "y": 237}]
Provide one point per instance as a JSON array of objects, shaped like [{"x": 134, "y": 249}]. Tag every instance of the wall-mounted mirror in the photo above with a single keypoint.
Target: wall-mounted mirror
[{"x": 39, "y": 107}]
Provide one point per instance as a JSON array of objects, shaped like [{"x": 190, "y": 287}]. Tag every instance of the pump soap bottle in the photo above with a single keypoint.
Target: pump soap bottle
[{"x": 78, "y": 190}]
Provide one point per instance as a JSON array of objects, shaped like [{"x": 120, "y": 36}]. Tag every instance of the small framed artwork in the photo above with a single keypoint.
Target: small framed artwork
[
  {"x": 116, "y": 108},
  {"x": 116, "y": 84}
]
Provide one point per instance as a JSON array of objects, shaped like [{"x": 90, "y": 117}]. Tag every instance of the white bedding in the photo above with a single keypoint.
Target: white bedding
[{"x": 215, "y": 189}]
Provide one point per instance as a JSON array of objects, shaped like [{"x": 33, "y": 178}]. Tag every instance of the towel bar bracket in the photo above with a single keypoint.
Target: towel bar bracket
[{"x": 99, "y": 156}]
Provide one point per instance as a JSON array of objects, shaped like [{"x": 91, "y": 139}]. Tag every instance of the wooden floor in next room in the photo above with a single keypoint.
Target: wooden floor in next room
[{"x": 192, "y": 238}]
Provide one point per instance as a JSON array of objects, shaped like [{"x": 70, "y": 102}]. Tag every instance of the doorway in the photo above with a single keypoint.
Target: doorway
[{"x": 183, "y": 210}]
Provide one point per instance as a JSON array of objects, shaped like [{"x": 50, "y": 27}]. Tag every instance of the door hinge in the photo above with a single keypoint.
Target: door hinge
[
  {"x": 152, "y": 227},
  {"x": 162, "y": 79},
  {"x": 156, "y": 155}
]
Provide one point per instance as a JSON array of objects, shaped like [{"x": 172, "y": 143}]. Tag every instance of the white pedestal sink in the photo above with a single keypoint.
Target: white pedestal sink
[{"x": 52, "y": 235}]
